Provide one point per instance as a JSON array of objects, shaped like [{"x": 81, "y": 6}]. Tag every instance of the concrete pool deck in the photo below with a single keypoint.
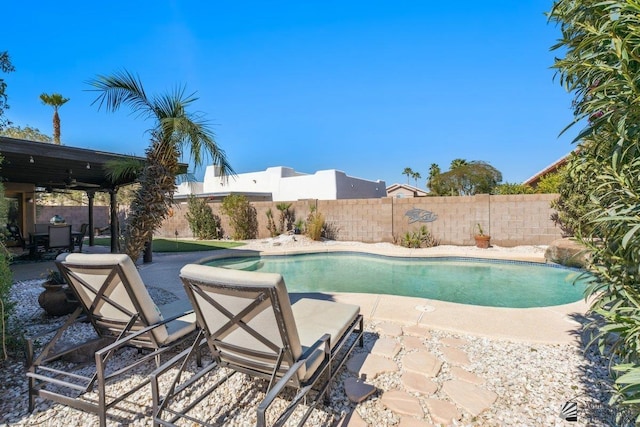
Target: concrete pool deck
[{"x": 555, "y": 324}]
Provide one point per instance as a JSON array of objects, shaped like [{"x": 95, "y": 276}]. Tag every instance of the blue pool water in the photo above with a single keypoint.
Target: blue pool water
[{"x": 461, "y": 280}]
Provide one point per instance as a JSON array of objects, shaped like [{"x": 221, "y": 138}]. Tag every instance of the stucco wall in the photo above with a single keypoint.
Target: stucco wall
[
  {"x": 285, "y": 184},
  {"x": 510, "y": 220}
]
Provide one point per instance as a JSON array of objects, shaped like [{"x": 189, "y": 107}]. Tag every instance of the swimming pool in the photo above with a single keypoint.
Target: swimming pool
[{"x": 473, "y": 281}]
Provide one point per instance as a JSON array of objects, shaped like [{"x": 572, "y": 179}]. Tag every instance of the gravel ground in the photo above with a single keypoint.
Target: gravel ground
[{"x": 532, "y": 381}]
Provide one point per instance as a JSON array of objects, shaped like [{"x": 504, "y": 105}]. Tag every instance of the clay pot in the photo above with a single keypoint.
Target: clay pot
[
  {"x": 56, "y": 299},
  {"x": 483, "y": 241}
]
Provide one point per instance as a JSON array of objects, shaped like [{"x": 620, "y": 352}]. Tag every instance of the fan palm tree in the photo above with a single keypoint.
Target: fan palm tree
[
  {"x": 175, "y": 131},
  {"x": 408, "y": 172},
  {"x": 416, "y": 176},
  {"x": 56, "y": 101}
]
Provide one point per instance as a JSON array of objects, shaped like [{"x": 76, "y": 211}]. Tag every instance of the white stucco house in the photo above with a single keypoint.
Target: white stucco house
[{"x": 284, "y": 184}]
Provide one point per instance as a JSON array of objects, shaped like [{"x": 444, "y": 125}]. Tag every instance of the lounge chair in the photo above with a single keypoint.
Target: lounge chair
[
  {"x": 250, "y": 326},
  {"x": 117, "y": 303}
]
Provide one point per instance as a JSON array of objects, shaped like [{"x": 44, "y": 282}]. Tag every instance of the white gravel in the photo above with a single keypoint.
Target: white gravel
[{"x": 532, "y": 381}]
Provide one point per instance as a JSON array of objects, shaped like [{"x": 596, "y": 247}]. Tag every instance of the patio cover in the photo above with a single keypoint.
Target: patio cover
[{"x": 53, "y": 166}]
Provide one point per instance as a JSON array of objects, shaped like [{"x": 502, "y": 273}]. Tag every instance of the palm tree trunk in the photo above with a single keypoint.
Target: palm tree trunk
[
  {"x": 153, "y": 199},
  {"x": 56, "y": 127}
]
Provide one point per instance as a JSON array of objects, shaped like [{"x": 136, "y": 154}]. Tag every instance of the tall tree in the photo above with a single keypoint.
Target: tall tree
[
  {"x": 599, "y": 64},
  {"x": 5, "y": 67},
  {"x": 434, "y": 171},
  {"x": 408, "y": 172},
  {"x": 467, "y": 178},
  {"x": 456, "y": 163},
  {"x": 416, "y": 176},
  {"x": 175, "y": 131},
  {"x": 56, "y": 101}
]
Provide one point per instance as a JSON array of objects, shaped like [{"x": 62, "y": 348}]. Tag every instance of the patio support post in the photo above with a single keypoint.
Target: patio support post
[
  {"x": 90, "y": 196},
  {"x": 115, "y": 232}
]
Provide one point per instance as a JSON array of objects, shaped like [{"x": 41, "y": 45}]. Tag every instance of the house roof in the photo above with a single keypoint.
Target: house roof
[
  {"x": 415, "y": 190},
  {"x": 535, "y": 179},
  {"x": 59, "y": 166}
]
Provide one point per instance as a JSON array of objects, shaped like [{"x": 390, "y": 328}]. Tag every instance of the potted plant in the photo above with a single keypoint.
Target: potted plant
[
  {"x": 56, "y": 299},
  {"x": 482, "y": 241}
]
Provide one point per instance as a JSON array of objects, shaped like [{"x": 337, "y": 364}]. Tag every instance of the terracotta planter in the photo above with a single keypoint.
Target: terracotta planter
[
  {"x": 483, "y": 241},
  {"x": 57, "y": 300}
]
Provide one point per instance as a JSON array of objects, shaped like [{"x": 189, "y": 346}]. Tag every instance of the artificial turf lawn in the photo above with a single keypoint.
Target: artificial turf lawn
[{"x": 172, "y": 245}]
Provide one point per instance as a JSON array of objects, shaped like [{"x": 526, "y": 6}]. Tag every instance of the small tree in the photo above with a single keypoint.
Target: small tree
[
  {"x": 242, "y": 216},
  {"x": 204, "y": 224},
  {"x": 27, "y": 132}
]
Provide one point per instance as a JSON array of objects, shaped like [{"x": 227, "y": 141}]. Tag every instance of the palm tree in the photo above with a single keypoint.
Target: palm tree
[
  {"x": 175, "y": 130},
  {"x": 408, "y": 172},
  {"x": 56, "y": 101},
  {"x": 416, "y": 176},
  {"x": 456, "y": 163}
]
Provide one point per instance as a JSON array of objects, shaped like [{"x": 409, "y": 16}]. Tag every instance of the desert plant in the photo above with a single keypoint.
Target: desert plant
[
  {"x": 420, "y": 238},
  {"x": 271, "y": 224},
  {"x": 204, "y": 224},
  {"x": 315, "y": 224},
  {"x": 286, "y": 217},
  {"x": 242, "y": 216}
]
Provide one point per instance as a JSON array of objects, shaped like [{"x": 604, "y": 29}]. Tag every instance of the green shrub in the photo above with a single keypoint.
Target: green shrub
[
  {"x": 204, "y": 224},
  {"x": 242, "y": 216},
  {"x": 512, "y": 188},
  {"x": 421, "y": 238},
  {"x": 6, "y": 279}
]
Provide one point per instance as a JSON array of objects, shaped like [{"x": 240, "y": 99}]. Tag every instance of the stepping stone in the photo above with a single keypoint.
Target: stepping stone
[
  {"x": 454, "y": 342},
  {"x": 354, "y": 420},
  {"x": 357, "y": 390},
  {"x": 442, "y": 412},
  {"x": 402, "y": 403},
  {"x": 421, "y": 362},
  {"x": 467, "y": 376},
  {"x": 418, "y": 383},
  {"x": 417, "y": 331},
  {"x": 412, "y": 343},
  {"x": 370, "y": 365},
  {"x": 455, "y": 356},
  {"x": 386, "y": 347},
  {"x": 470, "y": 397},
  {"x": 389, "y": 329},
  {"x": 413, "y": 422}
]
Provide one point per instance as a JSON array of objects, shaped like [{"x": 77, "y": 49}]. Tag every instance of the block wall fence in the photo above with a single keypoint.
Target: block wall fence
[
  {"x": 74, "y": 215},
  {"x": 512, "y": 220}
]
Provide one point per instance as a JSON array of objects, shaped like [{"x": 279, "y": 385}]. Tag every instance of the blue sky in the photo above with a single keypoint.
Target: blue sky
[{"x": 368, "y": 88}]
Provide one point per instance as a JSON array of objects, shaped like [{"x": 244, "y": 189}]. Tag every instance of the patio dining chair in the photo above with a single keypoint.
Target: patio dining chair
[
  {"x": 250, "y": 326},
  {"x": 60, "y": 238},
  {"x": 118, "y": 306}
]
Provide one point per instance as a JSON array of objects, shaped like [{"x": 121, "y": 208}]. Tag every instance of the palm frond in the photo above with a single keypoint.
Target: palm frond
[
  {"x": 124, "y": 169},
  {"x": 122, "y": 88}
]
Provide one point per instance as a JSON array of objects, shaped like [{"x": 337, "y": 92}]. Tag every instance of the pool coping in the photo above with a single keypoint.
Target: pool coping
[{"x": 559, "y": 324}]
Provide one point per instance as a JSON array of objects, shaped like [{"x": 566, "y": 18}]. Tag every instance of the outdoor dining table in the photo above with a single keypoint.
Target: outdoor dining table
[{"x": 40, "y": 239}]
